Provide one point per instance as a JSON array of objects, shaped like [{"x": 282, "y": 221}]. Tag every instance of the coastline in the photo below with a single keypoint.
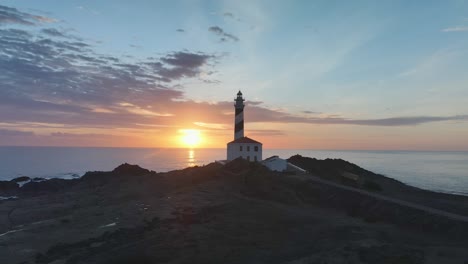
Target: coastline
[
  {"x": 437, "y": 171},
  {"x": 182, "y": 215}
]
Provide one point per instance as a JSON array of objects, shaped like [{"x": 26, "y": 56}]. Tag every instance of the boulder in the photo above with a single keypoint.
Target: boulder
[{"x": 21, "y": 179}]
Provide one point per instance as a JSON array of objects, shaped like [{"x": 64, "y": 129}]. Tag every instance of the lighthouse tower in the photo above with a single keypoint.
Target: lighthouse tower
[
  {"x": 239, "y": 116},
  {"x": 241, "y": 146}
]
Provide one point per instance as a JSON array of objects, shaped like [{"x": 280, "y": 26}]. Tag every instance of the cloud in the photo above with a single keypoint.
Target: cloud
[
  {"x": 44, "y": 19},
  {"x": 88, "y": 10},
  {"x": 265, "y": 132},
  {"x": 254, "y": 102},
  {"x": 223, "y": 35},
  {"x": 39, "y": 60},
  {"x": 52, "y": 80},
  {"x": 229, "y": 14},
  {"x": 9, "y": 15},
  {"x": 456, "y": 29},
  {"x": 62, "y": 134},
  {"x": 211, "y": 125},
  {"x": 73, "y": 139},
  {"x": 261, "y": 114},
  {"x": 52, "y": 77},
  {"x": 397, "y": 121},
  {"x": 310, "y": 112},
  {"x": 440, "y": 62},
  {"x": 14, "y": 133},
  {"x": 53, "y": 32},
  {"x": 181, "y": 65},
  {"x": 185, "y": 59}
]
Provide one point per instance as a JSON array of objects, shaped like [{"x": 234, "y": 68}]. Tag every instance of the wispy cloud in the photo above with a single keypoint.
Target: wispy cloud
[
  {"x": 211, "y": 125},
  {"x": 455, "y": 29},
  {"x": 266, "y": 132},
  {"x": 435, "y": 63},
  {"x": 261, "y": 114},
  {"x": 49, "y": 76},
  {"x": 228, "y": 14},
  {"x": 15, "y": 133},
  {"x": 88, "y": 10},
  {"x": 222, "y": 34},
  {"x": 53, "y": 32},
  {"x": 310, "y": 112},
  {"x": 10, "y": 15}
]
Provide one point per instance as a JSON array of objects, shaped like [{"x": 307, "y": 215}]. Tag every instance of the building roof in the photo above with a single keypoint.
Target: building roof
[
  {"x": 239, "y": 93},
  {"x": 244, "y": 140},
  {"x": 271, "y": 158}
]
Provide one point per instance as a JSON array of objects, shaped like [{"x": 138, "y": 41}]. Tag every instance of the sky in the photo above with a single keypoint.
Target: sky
[{"x": 370, "y": 75}]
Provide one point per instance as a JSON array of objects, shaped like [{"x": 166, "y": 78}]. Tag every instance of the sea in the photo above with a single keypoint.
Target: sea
[{"x": 431, "y": 170}]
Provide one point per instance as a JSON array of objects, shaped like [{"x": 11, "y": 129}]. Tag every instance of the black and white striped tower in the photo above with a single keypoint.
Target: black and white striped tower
[{"x": 239, "y": 119}]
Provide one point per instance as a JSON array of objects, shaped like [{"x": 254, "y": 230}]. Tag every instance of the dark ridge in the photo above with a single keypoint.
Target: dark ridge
[
  {"x": 339, "y": 171},
  {"x": 129, "y": 169},
  {"x": 192, "y": 175},
  {"x": 328, "y": 168},
  {"x": 39, "y": 186},
  {"x": 336, "y": 170},
  {"x": 42, "y": 187},
  {"x": 238, "y": 165}
]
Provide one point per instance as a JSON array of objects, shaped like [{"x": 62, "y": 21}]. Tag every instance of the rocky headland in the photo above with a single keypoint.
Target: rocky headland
[{"x": 240, "y": 212}]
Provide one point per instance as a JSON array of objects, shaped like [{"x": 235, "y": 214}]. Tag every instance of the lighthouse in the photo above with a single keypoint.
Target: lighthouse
[
  {"x": 239, "y": 116},
  {"x": 241, "y": 146}
]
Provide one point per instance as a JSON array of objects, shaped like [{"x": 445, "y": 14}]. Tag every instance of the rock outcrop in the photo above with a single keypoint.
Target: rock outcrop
[
  {"x": 21, "y": 179},
  {"x": 128, "y": 169}
]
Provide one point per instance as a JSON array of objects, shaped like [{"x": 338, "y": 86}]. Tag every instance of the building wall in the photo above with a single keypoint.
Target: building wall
[{"x": 248, "y": 151}]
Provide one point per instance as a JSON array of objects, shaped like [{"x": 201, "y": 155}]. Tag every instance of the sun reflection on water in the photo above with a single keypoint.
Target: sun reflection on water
[{"x": 191, "y": 158}]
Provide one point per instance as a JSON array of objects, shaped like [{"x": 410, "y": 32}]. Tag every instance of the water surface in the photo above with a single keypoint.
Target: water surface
[{"x": 438, "y": 171}]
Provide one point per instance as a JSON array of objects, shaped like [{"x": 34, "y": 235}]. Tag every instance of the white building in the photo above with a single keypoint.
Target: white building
[
  {"x": 241, "y": 146},
  {"x": 246, "y": 148},
  {"x": 276, "y": 163}
]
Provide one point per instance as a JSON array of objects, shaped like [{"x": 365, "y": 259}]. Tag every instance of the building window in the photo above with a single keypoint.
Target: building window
[
  {"x": 240, "y": 148},
  {"x": 248, "y": 148},
  {"x": 248, "y": 158},
  {"x": 256, "y": 148}
]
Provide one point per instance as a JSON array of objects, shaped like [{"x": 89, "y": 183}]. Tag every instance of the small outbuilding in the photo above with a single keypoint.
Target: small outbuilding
[{"x": 276, "y": 163}]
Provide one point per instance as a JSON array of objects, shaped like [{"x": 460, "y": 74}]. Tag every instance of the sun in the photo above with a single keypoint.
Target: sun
[{"x": 190, "y": 137}]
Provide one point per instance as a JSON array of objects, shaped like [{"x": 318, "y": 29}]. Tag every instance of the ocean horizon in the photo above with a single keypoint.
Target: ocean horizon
[{"x": 441, "y": 171}]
